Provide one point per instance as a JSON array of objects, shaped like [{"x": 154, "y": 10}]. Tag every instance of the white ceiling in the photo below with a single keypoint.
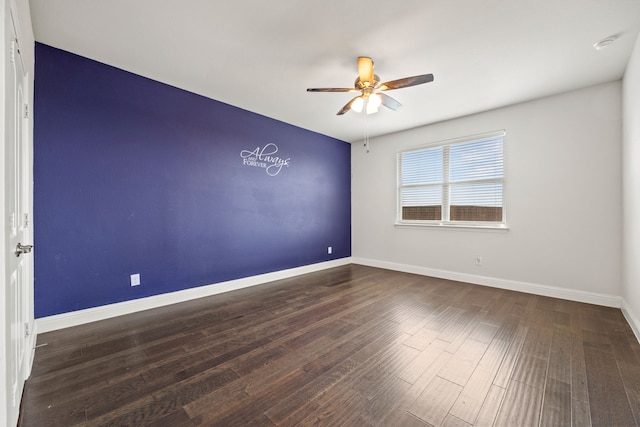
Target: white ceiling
[{"x": 262, "y": 55}]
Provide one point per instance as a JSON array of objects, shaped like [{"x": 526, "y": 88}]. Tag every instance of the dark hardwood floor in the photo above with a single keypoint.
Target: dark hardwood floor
[{"x": 350, "y": 346}]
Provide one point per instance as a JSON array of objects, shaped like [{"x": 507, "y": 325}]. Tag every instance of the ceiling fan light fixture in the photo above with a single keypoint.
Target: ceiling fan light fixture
[
  {"x": 375, "y": 100},
  {"x": 357, "y": 104},
  {"x": 371, "y": 108}
]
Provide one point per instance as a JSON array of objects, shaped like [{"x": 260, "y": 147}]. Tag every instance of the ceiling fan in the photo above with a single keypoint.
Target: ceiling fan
[{"x": 371, "y": 90}]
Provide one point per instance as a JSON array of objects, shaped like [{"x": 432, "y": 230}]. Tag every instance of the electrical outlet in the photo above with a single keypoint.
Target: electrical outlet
[
  {"x": 329, "y": 250},
  {"x": 478, "y": 260},
  {"x": 135, "y": 279}
]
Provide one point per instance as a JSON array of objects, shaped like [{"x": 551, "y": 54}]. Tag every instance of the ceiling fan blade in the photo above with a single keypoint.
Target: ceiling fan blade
[
  {"x": 347, "y": 107},
  {"x": 406, "y": 82},
  {"x": 332, "y": 89},
  {"x": 389, "y": 102},
  {"x": 365, "y": 70}
]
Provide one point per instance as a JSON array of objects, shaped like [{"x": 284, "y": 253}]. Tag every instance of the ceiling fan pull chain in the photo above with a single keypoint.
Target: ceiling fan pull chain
[{"x": 366, "y": 132}]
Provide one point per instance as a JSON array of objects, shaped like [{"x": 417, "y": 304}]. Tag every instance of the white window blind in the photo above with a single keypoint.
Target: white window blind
[{"x": 455, "y": 182}]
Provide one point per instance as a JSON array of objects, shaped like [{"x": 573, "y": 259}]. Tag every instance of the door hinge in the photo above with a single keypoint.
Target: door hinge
[
  {"x": 26, "y": 111},
  {"x": 27, "y": 329},
  {"x": 15, "y": 48},
  {"x": 26, "y": 220}
]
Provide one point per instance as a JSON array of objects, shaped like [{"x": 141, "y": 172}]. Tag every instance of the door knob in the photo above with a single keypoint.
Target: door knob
[{"x": 23, "y": 249}]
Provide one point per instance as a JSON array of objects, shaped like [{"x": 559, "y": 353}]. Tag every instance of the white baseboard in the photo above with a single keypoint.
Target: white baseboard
[
  {"x": 530, "y": 288},
  {"x": 60, "y": 321},
  {"x": 631, "y": 319},
  {"x": 75, "y": 318}
]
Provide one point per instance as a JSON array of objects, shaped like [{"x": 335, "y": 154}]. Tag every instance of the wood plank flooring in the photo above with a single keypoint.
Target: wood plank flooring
[{"x": 349, "y": 346}]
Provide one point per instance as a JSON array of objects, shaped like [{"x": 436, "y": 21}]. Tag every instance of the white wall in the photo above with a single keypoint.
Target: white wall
[
  {"x": 631, "y": 189},
  {"x": 563, "y": 199}
]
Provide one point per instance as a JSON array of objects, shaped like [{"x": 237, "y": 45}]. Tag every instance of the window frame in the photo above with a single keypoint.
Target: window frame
[{"x": 445, "y": 185}]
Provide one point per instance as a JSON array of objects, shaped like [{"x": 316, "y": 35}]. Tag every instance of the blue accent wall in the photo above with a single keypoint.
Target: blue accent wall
[{"x": 135, "y": 176}]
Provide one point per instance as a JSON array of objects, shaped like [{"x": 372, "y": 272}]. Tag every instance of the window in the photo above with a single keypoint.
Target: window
[{"x": 457, "y": 182}]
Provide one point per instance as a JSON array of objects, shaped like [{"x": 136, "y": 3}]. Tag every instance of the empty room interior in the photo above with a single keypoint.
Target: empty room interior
[{"x": 338, "y": 213}]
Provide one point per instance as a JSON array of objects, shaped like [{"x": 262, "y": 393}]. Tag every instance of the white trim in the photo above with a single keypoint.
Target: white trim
[
  {"x": 75, "y": 318},
  {"x": 31, "y": 348},
  {"x": 631, "y": 319},
  {"x": 450, "y": 225},
  {"x": 530, "y": 288}
]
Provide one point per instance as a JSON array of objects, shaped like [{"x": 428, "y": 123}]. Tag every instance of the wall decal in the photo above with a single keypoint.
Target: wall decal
[{"x": 265, "y": 158}]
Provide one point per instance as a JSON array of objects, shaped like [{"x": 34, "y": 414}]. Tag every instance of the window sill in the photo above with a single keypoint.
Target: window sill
[{"x": 441, "y": 225}]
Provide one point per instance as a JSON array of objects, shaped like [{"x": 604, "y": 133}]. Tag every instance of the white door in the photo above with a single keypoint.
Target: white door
[{"x": 17, "y": 205}]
